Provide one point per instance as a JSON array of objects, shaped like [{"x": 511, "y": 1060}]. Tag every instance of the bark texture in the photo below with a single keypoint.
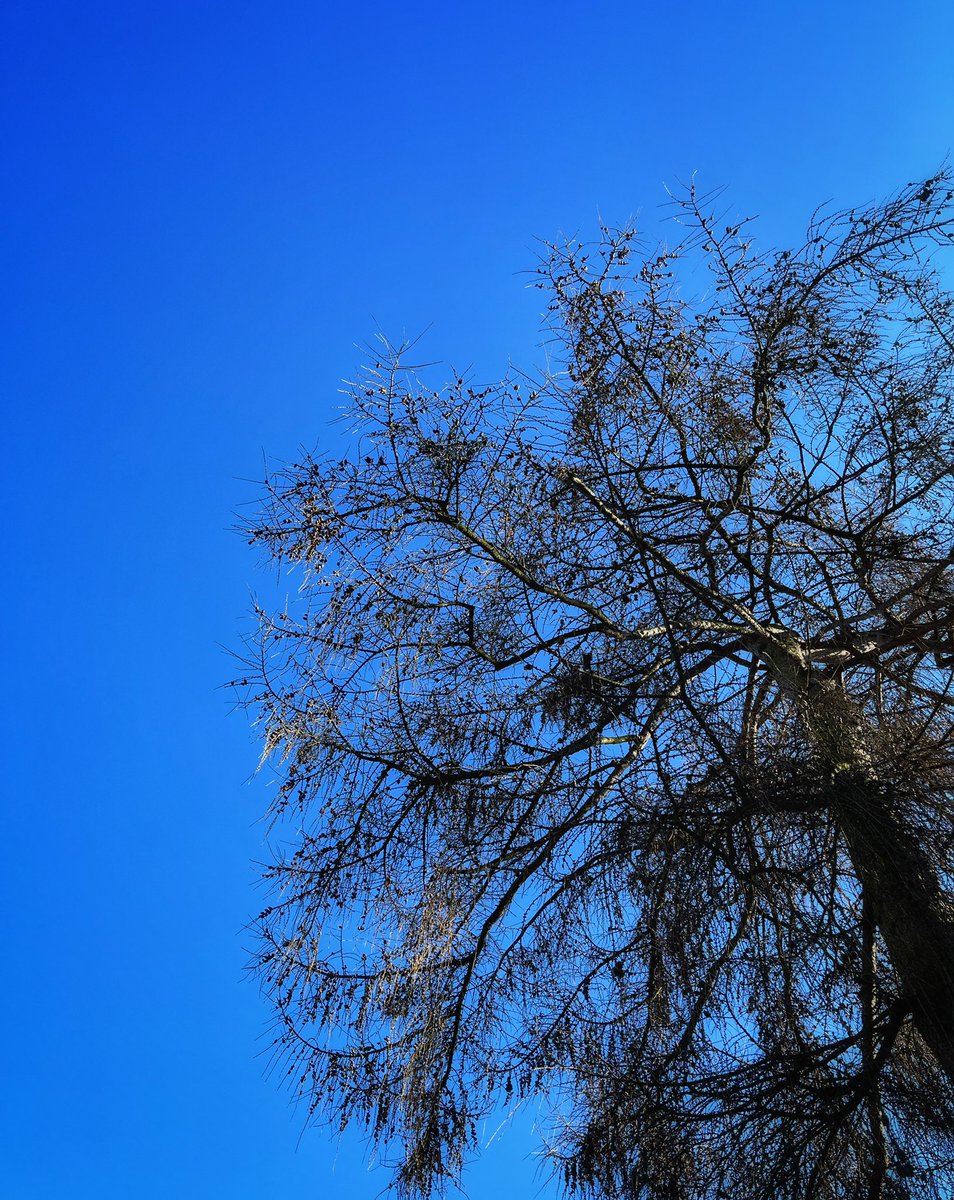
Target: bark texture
[
  {"x": 900, "y": 883},
  {"x": 910, "y": 908}
]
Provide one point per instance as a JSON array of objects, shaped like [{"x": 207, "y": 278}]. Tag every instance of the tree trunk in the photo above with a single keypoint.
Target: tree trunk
[
  {"x": 909, "y": 907},
  {"x": 908, "y": 903}
]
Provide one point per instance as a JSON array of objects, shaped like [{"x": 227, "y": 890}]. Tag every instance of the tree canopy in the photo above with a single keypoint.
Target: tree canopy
[{"x": 614, "y": 727}]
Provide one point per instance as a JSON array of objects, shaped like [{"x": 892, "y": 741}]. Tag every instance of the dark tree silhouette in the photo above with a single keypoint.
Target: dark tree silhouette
[{"x": 616, "y": 726}]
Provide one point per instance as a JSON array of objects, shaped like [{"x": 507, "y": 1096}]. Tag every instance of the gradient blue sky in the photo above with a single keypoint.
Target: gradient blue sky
[{"x": 205, "y": 206}]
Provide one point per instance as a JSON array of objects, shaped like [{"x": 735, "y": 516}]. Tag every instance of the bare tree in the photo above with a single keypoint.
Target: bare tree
[{"x": 616, "y": 722}]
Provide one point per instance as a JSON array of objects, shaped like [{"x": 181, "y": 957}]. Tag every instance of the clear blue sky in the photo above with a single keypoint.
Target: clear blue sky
[{"x": 205, "y": 206}]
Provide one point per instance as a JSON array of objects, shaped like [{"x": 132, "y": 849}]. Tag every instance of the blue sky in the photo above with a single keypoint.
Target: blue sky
[{"x": 205, "y": 206}]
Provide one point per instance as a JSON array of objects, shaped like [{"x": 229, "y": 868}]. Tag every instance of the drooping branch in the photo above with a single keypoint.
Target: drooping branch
[{"x": 606, "y": 707}]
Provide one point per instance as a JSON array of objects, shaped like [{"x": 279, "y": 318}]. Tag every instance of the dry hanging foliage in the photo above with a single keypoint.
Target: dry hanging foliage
[{"x": 614, "y": 715}]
